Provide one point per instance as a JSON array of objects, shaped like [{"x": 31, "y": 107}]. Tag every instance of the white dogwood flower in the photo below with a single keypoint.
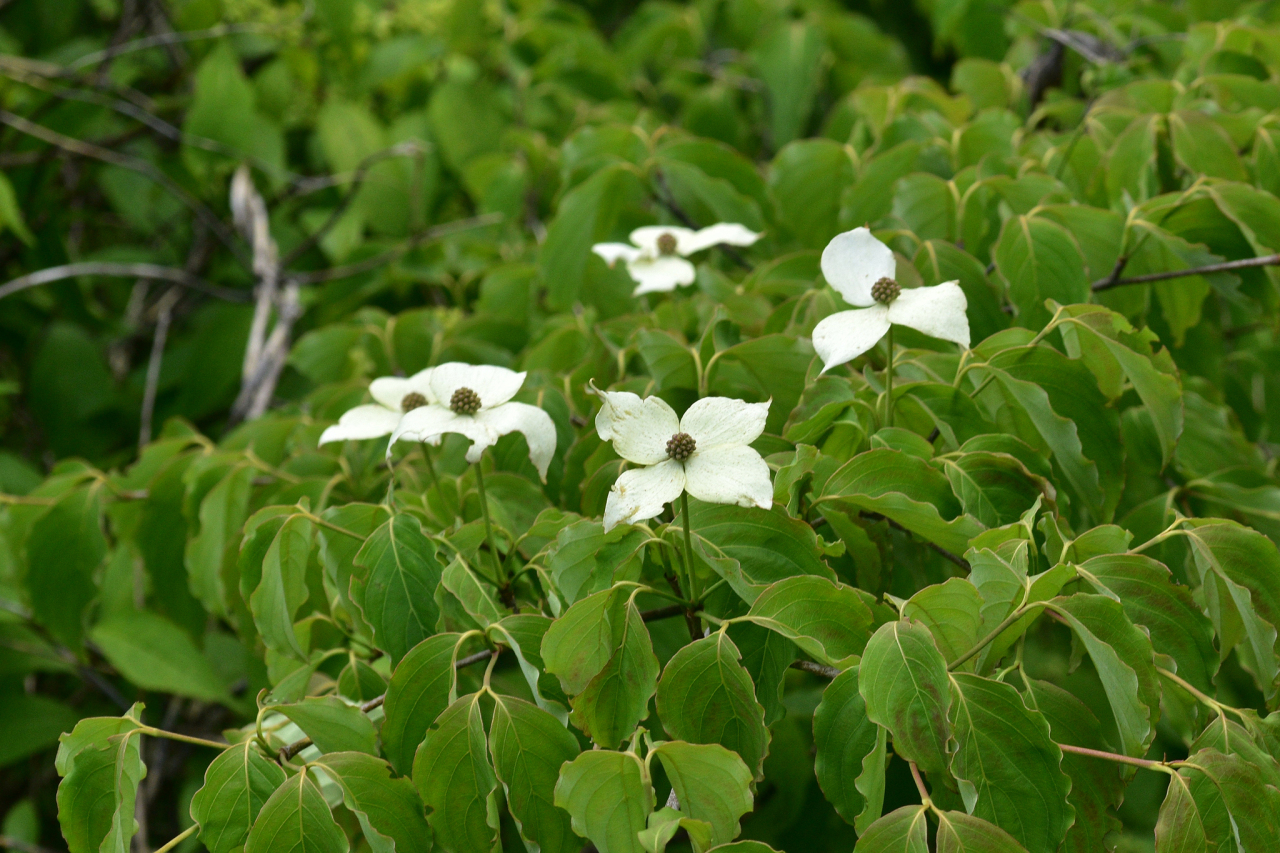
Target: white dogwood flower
[
  {"x": 861, "y": 269},
  {"x": 393, "y": 397},
  {"x": 706, "y": 453},
  {"x": 657, "y": 260},
  {"x": 475, "y": 401}
]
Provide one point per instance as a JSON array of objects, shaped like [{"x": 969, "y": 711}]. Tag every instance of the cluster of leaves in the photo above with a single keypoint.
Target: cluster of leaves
[{"x": 1026, "y": 597}]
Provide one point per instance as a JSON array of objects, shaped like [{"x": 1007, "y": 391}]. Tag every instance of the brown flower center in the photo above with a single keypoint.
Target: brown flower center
[
  {"x": 411, "y": 401},
  {"x": 681, "y": 446},
  {"x": 885, "y": 291},
  {"x": 465, "y": 401},
  {"x": 666, "y": 243}
]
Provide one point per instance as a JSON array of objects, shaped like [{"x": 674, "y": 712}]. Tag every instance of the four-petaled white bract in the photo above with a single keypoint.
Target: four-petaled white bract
[
  {"x": 852, "y": 263},
  {"x": 721, "y": 468},
  {"x": 656, "y": 270},
  {"x": 495, "y": 416},
  {"x": 383, "y": 416}
]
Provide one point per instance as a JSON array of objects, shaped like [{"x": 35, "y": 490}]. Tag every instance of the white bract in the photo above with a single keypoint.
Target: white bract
[
  {"x": 861, "y": 269},
  {"x": 393, "y": 398},
  {"x": 705, "y": 453},
  {"x": 475, "y": 401},
  {"x": 657, "y": 260}
]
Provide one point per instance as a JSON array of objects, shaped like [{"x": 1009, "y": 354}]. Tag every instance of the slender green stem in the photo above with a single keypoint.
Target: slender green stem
[
  {"x": 178, "y": 839},
  {"x": 692, "y": 591},
  {"x": 198, "y": 741},
  {"x": 431, "y": 467},
  {"x": 1145, "y": 763},
  {"x": 888, "y": 384},
  {"x": 488, "y": 525},
  {"x": 987, "y": 640},
  {"x": 925, "y": 800},
  {"x": 315, "y": 519},
  {"x": 1207, "y": 700}
]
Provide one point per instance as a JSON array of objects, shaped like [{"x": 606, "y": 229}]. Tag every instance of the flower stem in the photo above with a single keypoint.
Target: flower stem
[
  {"x": 692, "y": 592},
  {"x": 431, "y": 467},
  {"x": 488, "y": 526},
  {"x": 888, "y": 384},
  {"x": 198, "y": 741},
  {"x": 178, "y": 839}
]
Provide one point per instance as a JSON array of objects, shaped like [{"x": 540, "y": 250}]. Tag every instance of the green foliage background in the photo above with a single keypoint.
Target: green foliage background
[{"x": 1067, "y": 536}]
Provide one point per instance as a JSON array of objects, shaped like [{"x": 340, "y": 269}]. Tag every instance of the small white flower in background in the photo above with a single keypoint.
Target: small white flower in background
[
  {"x": 705, "y": 453},
  {"x": 657, "y": 260},
  {"x": 861, "y": 269},
  {"x": 395, "y": 397},
  {"x": 475, "y": 401}
]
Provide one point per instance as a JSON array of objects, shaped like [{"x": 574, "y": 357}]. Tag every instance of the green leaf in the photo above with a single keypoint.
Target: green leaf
[
  {"x": 475, "y": 597},
  {"x": 994, "y": 488},
  {"x": 420, "y": 688},
  {"x": 850, "y": 752},
  {"x": 11, "y": 213},
  {"x": 333, "y": 725},
  {"x": 1096, "y": 785},
  {"x": 211, "y": 553},
  {"x": 829, "y": 621},
  {"x": 224, "y": 110},
  {"x": 1066, "y": 413},
  {"x": 789, "y": 61},
  {"x": 905, "y": 685},
  {"x": 1114, "y": 351},
  {"x": 1240, "y": 575},
  {"x": 1125, "y": 663},
  {"x": 1040, "y": 260},
  {"x": 712, "y": 783},
  {"x": 64, "y": 549},
  {"x": 962, "y": 833},
  {"x": 903, "y": 830},
  {"x": 1007, "y": 765},
  {"x": 906, "y": 489},
  {"x": 666, "y": 822},
  {"x": 609, "y": 797},
  {"x": 388, "y": 808},
  {"x": 602, "y": 653},
  {"x": 768, "y": 544},
  {"x": 589, "y": 213},
  {"x": 31, "y": 723},
  {"x": 296, "y": 818},
  {"x": 155, "y": 654},
  {"x": 397, "y": 585},
  {"x": 585, "y": 560},
  {"x": 1150, "y": 597},
  {"x": 807, "y": 178},
  {"x": 236, "y": 785},
  {"x": 952, "y": 611},
  {"x": 100, "y": 762},
  {"x": 283, "y": 587},
  {"x": 455, "y": 780},
  {"x": 529, "y": 746},
  {"x": 1253, "y": 810},
  {"x": 1179, "y": 828},
  {"x": 707, "y": 696},
  {"x": 668, "y": 359}
]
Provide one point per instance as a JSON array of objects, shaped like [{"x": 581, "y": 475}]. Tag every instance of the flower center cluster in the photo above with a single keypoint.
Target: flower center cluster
[
  {"x": 411, "y": 401},
  {"x": 885, "y": 291},
  {"x": 681, "y": 446},
  {"x": 666, "y": 243},
  {"x": 465, "y": 401}
]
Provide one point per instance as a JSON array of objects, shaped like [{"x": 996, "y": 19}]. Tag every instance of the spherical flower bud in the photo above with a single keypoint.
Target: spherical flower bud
[
  {"x": 465, "y": 402},
  {"x": 681, "y": 446},
  {"x": 885, "y": 291},
  {"x": 411, "y": 401}
]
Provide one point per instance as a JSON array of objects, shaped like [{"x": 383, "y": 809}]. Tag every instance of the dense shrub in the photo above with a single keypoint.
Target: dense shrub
[{"x": 1001, "y": 576}]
